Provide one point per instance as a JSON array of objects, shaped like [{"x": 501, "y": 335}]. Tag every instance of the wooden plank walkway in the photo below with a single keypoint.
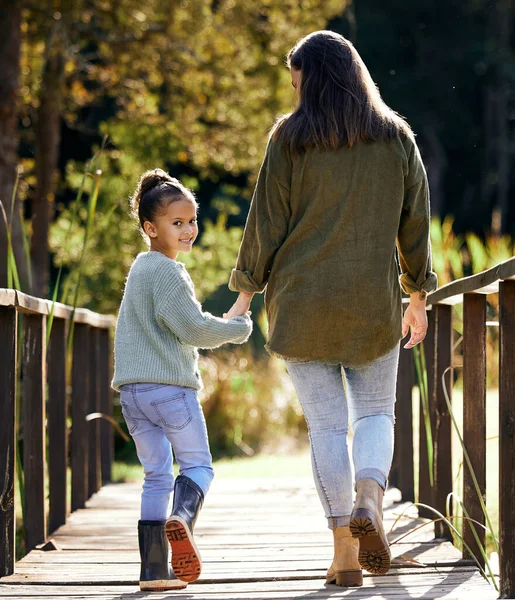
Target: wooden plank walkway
[{"x": 259, "y": 539}]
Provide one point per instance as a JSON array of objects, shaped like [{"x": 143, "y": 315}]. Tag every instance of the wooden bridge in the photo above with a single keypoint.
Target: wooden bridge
[{"x": 260, "y": 539}]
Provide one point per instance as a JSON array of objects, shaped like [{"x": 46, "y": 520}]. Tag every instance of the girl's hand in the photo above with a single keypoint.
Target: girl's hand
[
  {"x": 416, "y": 318},
  {"x": 240, "y": 307}
]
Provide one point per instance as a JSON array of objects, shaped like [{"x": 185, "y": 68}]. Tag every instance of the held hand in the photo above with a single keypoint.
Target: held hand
[
  {"x": 240, "y": 307},
  {"x": 416, "y": 318}
]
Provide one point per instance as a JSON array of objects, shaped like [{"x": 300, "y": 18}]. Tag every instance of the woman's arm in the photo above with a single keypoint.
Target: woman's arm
[
  {"x": 266, "y": 227},
  {"x": 413, "y": 239},
  {"x": 241, "y": 306},
  {"x": 414, "y": 245}
]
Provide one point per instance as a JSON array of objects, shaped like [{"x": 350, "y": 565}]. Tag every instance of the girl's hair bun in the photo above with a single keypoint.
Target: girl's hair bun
[
  {"x": 154, "y": 188},
  {"x": 148, "y": 181},
  {"x": 153, "y": 178}
]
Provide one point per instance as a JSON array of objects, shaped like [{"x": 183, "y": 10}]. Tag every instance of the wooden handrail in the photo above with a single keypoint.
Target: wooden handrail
[
  {"x": 438, "y": 351},
  {"x": 486, "y": 282},
  {"x": 46, "y": 402},
  {"x": 38, "y": 306}
]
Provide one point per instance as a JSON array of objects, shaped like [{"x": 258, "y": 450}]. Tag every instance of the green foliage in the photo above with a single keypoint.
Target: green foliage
[
  {"x": 446, "y": 248},
  {"x": 212, "y": 258},
  {"x": 248, "y": 402}
]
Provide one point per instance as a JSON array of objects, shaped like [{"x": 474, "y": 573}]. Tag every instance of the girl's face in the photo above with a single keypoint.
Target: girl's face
[
  {"x": 174, "y": 228},
  {"x": 295, "y": 80}
]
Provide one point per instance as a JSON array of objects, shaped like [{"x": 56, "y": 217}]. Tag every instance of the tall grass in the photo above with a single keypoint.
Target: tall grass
[
  {"x": 13, "y": 280},
  {"x": 91, "y": 208},
  {"x": 421, "y": 371},
  {"x": 487, "y": 571}
]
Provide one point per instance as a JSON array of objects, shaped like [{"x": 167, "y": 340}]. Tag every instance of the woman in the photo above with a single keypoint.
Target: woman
[{"x": 341, "y": 193}]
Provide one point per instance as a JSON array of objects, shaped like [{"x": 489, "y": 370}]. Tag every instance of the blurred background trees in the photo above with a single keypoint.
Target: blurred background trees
[{"x": 193, "y": 86}]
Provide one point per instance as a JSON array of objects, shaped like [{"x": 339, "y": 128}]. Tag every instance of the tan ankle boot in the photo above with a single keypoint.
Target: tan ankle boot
[
  {"x": 366, "y": 524},
  {"x": 345, "y": 570}
]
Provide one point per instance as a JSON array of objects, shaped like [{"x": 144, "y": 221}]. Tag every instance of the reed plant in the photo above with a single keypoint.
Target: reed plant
[{"x": 449, "y": 518}]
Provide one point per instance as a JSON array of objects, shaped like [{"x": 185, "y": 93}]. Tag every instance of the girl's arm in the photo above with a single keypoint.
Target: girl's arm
[{"x": 182, "y": 313}]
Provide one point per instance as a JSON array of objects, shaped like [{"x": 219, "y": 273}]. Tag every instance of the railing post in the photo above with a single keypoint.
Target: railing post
[
  {"x": 57, "y": 433},
  {"x": 8, "y": 354},
  {"x": 402, "y": 468},
  {"x": 507, "y": 437},
  {"x": 474, "y": 417},
  {"x": 80, "y": 395},
  {"x": 106, "y": 405},
  {"x": 34, "y": 440},
  {"x": 94, "y": 474},
  {"x": 442, "y": 432},
  {"x": 424, "y": 483}
]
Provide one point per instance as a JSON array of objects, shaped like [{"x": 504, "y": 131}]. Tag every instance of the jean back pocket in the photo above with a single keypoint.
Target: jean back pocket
[{"x": 173, "y": 412}]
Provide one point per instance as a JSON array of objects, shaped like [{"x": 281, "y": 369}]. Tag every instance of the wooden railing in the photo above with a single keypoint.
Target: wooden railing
[
  {"x": 438, "y": 347},
  {"x": 43, "y": 391}
]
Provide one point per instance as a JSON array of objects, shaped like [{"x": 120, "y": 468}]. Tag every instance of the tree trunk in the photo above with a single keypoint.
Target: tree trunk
[
  {"x": 10, "y": 21},
  {"x": 48, "y": 138},
  {"x": 505, "y": 16},
  {"x": 436, "y": 164}
]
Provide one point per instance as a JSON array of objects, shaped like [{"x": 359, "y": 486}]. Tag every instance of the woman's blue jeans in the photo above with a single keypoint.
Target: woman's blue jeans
[
  {"x": 165, "y": 420},
  {"x": 329, "y": 395}
]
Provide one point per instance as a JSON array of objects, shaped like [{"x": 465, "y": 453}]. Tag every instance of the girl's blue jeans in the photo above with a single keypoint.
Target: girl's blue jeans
[
  {"x": 165, "y": 420},
  {"x": 330, "y": 394}
]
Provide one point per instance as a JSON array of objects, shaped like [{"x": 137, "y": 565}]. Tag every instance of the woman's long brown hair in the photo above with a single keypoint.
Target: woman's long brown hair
[{"x": 339, "y": 102}]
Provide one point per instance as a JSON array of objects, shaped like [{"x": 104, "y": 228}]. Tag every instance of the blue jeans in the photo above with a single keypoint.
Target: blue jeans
[
  {"x": 166, "y": 419},
  {"x": 367, "y": 396}
]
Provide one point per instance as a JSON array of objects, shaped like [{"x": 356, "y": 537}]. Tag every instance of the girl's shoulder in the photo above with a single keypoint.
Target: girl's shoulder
[{"x": 153, "y": 266}]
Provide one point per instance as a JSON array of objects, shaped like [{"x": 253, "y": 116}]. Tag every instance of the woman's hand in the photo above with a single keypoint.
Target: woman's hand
[
  {"x": 241, "y": 306},
  {"x": 416, "y": 318}
]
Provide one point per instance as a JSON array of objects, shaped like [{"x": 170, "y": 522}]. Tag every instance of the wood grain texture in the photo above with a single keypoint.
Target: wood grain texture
[
  {"x": 93, "y": 427},
  {"x": 106, "y": 404},
  {"x": 401, "y": 475},
  {"x": 486, "y": 282},
  {"x": 425, "y": 493},
  {"x": 263, "y": 538},
  {"x": 442, "y": 439},
  {"x": 507, "y": 438},
  {"x": 8, "y": 381},
  {"x": 34, "y": 427},
  {"x": 57, "y": 429},
  {"x": 79, "y": 405},
  {"x": 474, "y": 417},
  {"x": 7, "y": 297}
]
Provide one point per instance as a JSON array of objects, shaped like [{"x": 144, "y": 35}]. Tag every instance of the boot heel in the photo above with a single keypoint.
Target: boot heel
[
  {"x": 374, "y": 550},
  {"x": 362, "y": 523},
  {"x": 349, "y": 578}
]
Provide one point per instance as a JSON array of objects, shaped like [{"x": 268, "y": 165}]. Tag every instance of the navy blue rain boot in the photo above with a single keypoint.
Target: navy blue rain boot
[
  {"x": 187, "y": 502},
  {"x": 156, "y": 574}
]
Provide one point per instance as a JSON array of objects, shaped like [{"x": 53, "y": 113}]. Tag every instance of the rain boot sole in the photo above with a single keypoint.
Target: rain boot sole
[
  {"x": 162, "y": 585},
  {"x": 186, "y": 562}
]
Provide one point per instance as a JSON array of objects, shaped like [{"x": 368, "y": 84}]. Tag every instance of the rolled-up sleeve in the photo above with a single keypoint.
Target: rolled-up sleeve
[
  {"x": 267, "y": 224},
  {"x": 413, "y": 239}
]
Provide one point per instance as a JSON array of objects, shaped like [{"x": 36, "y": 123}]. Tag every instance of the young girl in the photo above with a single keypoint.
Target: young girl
[{"x": 160, "y": 326}]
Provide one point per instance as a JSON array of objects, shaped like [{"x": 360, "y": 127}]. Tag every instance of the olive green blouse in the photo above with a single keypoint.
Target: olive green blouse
[{"x": 327, "y": 235}]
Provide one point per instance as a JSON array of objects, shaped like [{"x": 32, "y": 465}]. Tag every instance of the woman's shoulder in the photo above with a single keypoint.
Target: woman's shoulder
[{"x": 407, "y": 141}]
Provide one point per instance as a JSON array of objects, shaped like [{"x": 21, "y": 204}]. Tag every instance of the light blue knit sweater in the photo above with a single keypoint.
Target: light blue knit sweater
[{"x": 161, "y": 324}]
